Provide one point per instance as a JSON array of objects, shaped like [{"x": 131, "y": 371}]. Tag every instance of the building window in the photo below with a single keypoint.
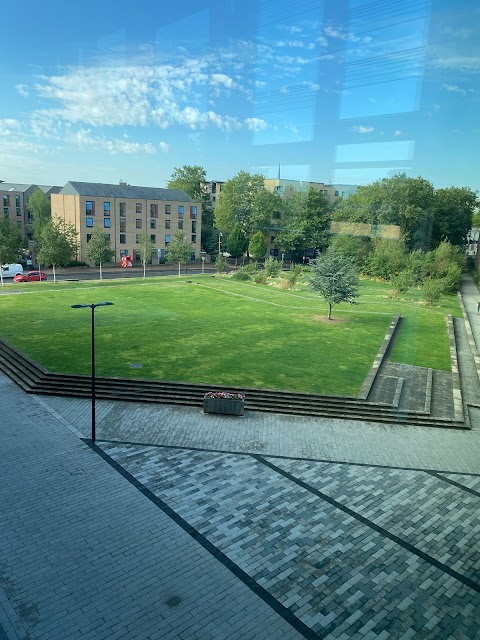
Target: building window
[
  {"x": 19, "y": 211},
  {"x": 180, "y": 210},
  {"x": 274, "y": 252},
  {"x": 167, "y": 224},
  {"x": 337, "y": 193},
  {"x": 194, "y": 238},
  {"x": 279, "y": 189},
  {"x": 89, "y": 237},
  {"x": 325, "y": 192},
  {"x": 123, "y": 238},
  {"x": 154, "y": 210},
  {"x": 138, "y": 207},
  {"x": 89, "y": 222},
  {"x": 153, "y": 238},
  {"x": 29, "y": 216},
  {"x": 90, "y": 208},
  {"x": 123, "y": 210},
  {"x": 5, "y": 211},
  {"x": 138, "y": 223},
  {"x": 167, "y": 208},
  {"x": 6, "y": 201},
  {"x": 19, "y": 224},
  {"x": 123, "y": 253},
  {"x": 272, "y": 239},
  {"x": 194, "y": 227},
  {"x": 137, "y": 238},
  {"x": 107, "y": 237},
  {"x": 106, "y": 223},
  {"x": 123, "y": 225},
  {"x": 106, "y": 208},
  {"x": 167, "y": 238},
  {"x": 193, "y": 213},
  {"x": 180, "y": 224},
  {"x": 153, "y": 223},
  {"x": 17, "y": 201}
]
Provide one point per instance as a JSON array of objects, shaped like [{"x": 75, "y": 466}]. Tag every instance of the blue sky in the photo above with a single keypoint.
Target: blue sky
[{"x": 335, "y": 90}]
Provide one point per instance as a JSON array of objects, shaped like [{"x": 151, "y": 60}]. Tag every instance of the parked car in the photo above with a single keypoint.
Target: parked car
[
  {"x": 31, "y": 276},
  {"x": 11, "y": 270}
]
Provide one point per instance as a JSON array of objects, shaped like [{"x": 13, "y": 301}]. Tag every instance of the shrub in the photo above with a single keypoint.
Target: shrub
[
  {"x": 250, "y": 268},
  {"x": 402, "y": 282},
  {"x": 272, "y": 267},
  {"x": 220, "y": 263},
  {"x": 260, "y": 277},
  {"x": 241, "y": 275},
  {"x": 432, "y": 291}
]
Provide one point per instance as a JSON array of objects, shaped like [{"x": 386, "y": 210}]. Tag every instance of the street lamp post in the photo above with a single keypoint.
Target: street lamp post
[
  {"x": 92, "y": 307},
  {"x": 220, "y": 236}
]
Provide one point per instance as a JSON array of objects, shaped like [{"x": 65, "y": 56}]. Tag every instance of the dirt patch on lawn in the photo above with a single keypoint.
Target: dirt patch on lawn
[{"x": 332, "y": 320}]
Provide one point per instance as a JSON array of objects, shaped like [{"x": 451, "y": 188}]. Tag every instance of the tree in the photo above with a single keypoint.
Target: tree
[
  {"x": 237, "y": 243},
  {"x": 257, "y": 246},
  {"x": 454, "y": 210},
  {"x": 389, "y": 257},
  {"x": 245, "y": 202},
  {"x": 192, "y": 179},
  {"x": 145, "y": 249},
  {"x": 99, "y": 249},
  {"x": 10, "y": 243},
  {"x": 39, "y": 207},
  {"x": 406, "y": 202},
  {"x": 178, "y": 250},
  {"x": 58, "y": 243},
  {"x": 306, "y": 222},
  {"x": 334, "y": 277}
]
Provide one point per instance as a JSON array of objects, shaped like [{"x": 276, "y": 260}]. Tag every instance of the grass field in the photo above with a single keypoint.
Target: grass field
[{"x": 218, "y": 331}]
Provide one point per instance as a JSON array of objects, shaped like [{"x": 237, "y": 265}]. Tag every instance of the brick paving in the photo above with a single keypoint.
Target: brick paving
[{"x": 191, "y": 526}]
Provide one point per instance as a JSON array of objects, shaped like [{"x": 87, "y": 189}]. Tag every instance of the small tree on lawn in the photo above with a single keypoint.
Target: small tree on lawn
[
  {"x": 178, "y": 250},
  {"x": 99, "y": 249},
  {"x": 257, "y": 246},
  {"x": 334, "y": 277},
  {"x": 58, "y": 243},
  {"x": 220, "y": 263},
  {"x": 237, "y": 243},
  {"x": 10, "y": 243},
  {"x": 145, "y": 249}
]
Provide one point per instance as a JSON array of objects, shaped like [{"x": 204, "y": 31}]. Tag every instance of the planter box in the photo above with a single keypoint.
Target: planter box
[{"x": 225, "y": 406}]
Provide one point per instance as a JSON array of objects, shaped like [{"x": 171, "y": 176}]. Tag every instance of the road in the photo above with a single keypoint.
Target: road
[{"x": 93, "y": 274}]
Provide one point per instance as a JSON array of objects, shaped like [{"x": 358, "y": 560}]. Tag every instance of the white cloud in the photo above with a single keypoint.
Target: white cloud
[
  {"x": 453, "y": 88},
  {"x": 456, "y": 62},
  {"x": 255, "y": 124},
  {"x": 398, "y": 133},
  {"x": 22, "y": 90},
  {"x": 9, "y": 127},
  {"x": 362, "y": 129}
]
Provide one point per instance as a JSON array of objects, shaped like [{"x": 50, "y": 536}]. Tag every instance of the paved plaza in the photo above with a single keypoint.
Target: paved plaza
[{"x": 179, "y": 524}]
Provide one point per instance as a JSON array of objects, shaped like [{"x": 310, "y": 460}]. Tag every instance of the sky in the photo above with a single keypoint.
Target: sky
[{"x": 335, "y": 91}]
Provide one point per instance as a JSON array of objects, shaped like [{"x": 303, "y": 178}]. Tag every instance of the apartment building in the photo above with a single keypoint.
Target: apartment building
[
  {"x": 213, "y": 188},
  {"x": 123, "y": 212},
  {"x": 15, "y": 197},
  {"x": 286, "y": 188}
]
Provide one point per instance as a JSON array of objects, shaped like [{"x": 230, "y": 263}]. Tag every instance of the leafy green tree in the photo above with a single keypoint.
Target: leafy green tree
[
  {"x": 245, "y": 202},
  {"x": 10, "y": 243},
  {"x": 357, "y": 249},
  {"x": 454, "y": 210},
  {"x": 257, "y": 247},
  {"x": 145, "y": 249},
  {"x": 306, "y": 223},
  {"x": 432, "y": 291},
  {"x": 178, "y": 250},
  {"x": 58, "y": 244},
  {"x": 334, "y": 277},
  {"x": 220, "y": 263},
  {"x": 192, "y": 180},
  {"x": 272, "y": 267},
  {"x": 237, "y": 243},
  {"x": 402, "y": 282},
  {"x": 39, "y": 207},
  {"x": 99, "y": 249},
  {"x": 406, "y": 202}
]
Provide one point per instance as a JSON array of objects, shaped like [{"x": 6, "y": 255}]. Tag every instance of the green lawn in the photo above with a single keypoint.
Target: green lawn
[{"x": 218, "y": 331}]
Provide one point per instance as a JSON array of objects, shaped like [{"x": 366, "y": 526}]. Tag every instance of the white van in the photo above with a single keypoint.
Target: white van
[{"x": 11, "y": 270}]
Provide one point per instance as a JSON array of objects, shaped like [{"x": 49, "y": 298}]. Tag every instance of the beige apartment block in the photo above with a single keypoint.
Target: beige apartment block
[
  {"x": 286, "y": 188},
  {"x": 15, "y": 199},
  {"x": 123, "y": 212}
]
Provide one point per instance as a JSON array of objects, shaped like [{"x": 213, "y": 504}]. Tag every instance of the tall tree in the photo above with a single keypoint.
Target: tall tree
[
  {"x": 145, "y": 248},
  {"x": 237, "y": 243},
  {"x": 334, "y": 277},
  {"x": 10, "y": 243},
  {"x": 257, "y": 247},
  {"x": 245, "y": 202},
  {"x": 178, "y": 250},
  {"x": 39, "y": 207},
  {"x": 58, "y": 243},
  {"x": 406, "y": 202},
  {"x": 99, "y": 249},
  {"x": 192, "y": 180},
  {"x": 454, "y": 210}
]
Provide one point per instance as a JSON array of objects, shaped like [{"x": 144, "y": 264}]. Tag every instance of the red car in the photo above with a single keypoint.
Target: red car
[{"x": 30, "y": 276}]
